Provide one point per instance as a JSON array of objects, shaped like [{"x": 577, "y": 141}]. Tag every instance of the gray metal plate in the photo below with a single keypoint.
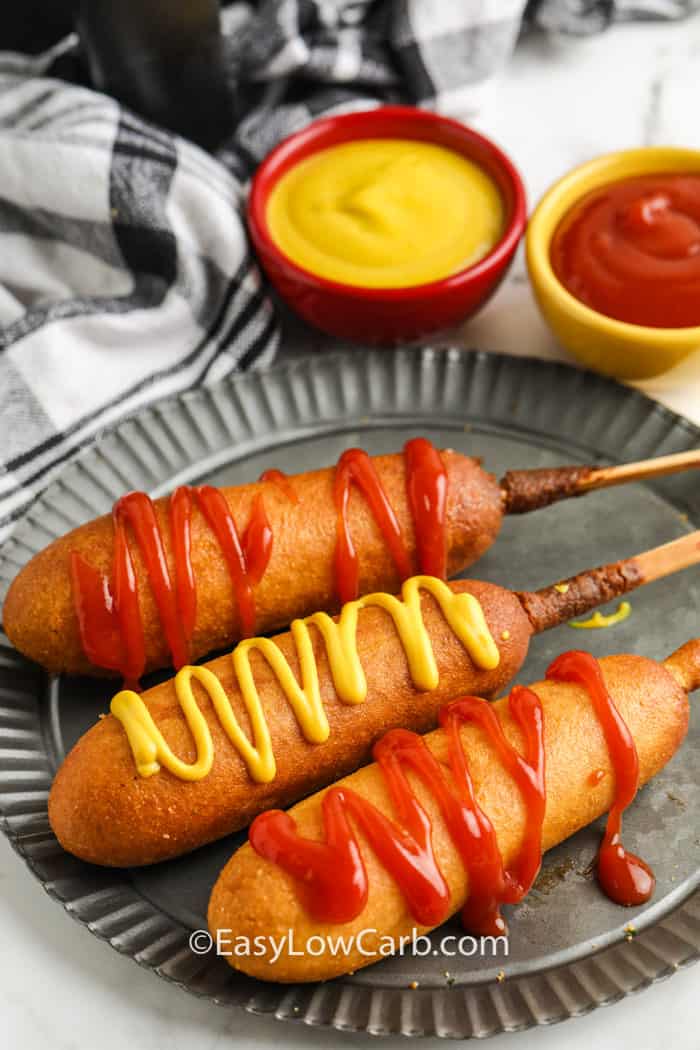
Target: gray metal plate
[{"x": 568, "y": 950}]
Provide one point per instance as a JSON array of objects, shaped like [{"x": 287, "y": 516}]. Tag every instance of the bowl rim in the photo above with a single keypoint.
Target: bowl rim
[
  {"x": 263, "y": 182},
  {"x": 537, "y": 244}
]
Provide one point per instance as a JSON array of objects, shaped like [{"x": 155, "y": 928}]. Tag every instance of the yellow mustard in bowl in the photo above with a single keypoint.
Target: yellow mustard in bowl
[{"x": 385, "y": 213}]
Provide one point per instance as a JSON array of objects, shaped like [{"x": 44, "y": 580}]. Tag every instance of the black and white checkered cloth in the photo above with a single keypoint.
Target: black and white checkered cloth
[{"x": 125, "y": 273}]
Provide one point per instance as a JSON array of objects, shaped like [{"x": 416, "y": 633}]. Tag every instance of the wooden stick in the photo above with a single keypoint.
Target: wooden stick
[
  {"x": 605, "y": 477},
  {"x": 526, "y": 490},
  {"x": 671, "y": 557},
  {"x": 562, "y": 601}
]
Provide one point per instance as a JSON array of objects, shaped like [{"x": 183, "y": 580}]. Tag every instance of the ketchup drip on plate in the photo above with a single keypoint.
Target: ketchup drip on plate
[
  {"x": 631, "y": 250},
  {"x": 332, "y": 874},
  {"x": 624, "y": 877},
  {"x": 109, "y": 619}
]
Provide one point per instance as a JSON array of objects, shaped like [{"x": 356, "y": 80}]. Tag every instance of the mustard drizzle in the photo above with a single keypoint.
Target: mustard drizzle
[{"x": 151, "y": 751}]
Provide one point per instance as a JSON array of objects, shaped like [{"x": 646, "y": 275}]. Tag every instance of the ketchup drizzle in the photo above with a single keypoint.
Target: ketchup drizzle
[
  {"x": 280, "y": 479},
  {"x": 257, "y": 543},
  {"x": 426, "y": 485},
  {"x": 490, "y": 884},
  {"x": 97, "y": 621},
  {"x": 181, "y": 532},
  {"x": 356, "y": 467},
  {"x": 216, "y": 510},
  {"x": 624, "y": 877},
  {"x": 109, "y": 620},
  {"x": 333, "y": 874},
  {"x": 426, "y": 489},
  {"x": 139, "y": 513}
]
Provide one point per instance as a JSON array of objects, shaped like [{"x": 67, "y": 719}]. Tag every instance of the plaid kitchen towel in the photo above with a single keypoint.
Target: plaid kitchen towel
[{"x": 125, "y": 273}]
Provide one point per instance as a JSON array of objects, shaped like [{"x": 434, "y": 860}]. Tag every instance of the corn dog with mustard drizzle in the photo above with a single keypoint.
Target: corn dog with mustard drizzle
[{"x": 197, "y": 757}]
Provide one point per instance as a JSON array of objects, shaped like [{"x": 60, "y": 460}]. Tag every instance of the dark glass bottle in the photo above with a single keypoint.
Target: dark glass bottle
[{"x": 162, "y": 58}]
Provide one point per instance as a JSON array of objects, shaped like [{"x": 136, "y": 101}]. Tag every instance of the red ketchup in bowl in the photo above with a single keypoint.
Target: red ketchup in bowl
[{"x": 631, "y": 250}]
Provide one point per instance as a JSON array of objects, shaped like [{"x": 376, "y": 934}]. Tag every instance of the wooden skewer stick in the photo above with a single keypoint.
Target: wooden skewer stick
[
  {"x": 562, "y": 601},
  {"x": 669, "y": 558},
  {"x": 525, "y": 490},
  {"x": 605, "y": 477}
]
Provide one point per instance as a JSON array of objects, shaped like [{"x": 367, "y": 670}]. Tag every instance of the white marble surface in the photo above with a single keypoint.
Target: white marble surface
[{"x": 559, "y": 103}]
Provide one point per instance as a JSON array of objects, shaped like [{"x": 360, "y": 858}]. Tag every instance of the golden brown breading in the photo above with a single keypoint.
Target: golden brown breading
[
  {"x": 253, "y": 896},
  {"x": 103, "y": 811},
  {"x": 39, "y": 616}
]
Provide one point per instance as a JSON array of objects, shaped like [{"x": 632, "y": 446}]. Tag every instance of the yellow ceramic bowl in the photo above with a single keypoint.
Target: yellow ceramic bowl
[{"x": 627, "y": 351}]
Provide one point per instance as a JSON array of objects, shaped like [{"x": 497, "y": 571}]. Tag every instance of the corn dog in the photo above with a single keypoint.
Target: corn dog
[
  {"x": 164, "y": 582},
  {"x": 582, "y": 773},
  {"x": 40, "y": 616},
  {"x": 103, "y": 811},
  {"x": 197, "y": 757}
]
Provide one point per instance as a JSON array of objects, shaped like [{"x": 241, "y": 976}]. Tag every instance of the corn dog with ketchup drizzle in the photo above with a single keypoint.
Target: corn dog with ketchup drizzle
[
  {"x": 199, "y": 756},
  {"x": 457, "y": 819},
  {"x": 165, "y": 582}
]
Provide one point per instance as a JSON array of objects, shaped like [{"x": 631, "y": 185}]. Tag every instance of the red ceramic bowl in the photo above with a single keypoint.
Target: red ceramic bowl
[{"x": 387, "y": 315}]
